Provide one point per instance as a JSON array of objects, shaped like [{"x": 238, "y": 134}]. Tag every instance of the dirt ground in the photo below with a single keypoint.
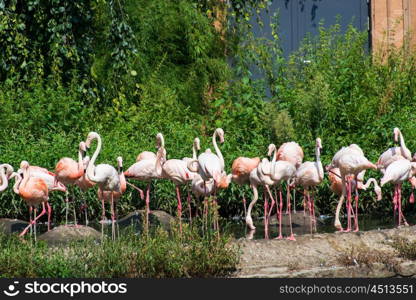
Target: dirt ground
[{"x": 327, "y": 255}]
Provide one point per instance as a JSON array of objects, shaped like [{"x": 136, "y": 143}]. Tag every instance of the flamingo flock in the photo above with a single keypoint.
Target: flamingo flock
[{"x": 204, "y": 175}]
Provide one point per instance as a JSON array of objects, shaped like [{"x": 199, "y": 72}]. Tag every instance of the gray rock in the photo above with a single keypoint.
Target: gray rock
[
  {"x": 407, "y": 268},
  {"x": 65, "y": 234},
  {"x": 156, "y": 217},
  {"x": 327, "y": 255},
  {"x": 9, "y": 226}
]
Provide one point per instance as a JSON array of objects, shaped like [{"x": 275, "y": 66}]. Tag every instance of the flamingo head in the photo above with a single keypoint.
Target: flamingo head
[
  {"x": 91, "y": 136},
  {"x": 24, "y": 164},
  {"x": 220, "y": 134},
  {"x": 270, "y": 149},
  {"x": 83, "y": 148},
  {"x": 318, "y": 143},
  {"x": 197, "y": 144},
  {"x": 120, "y": 164},
  {"x": 396, "y": 132},
  {"x": 224, "y": 181},
  {"x": 160, "y": 140}
]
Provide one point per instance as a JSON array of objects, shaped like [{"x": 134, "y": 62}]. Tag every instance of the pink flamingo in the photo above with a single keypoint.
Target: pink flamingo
[
  {"x": 351, "y": 161},
  {"x": 261, "y": 176},
  {"x": 293, "y": 153},
  {"x": 34, "y": 191},
  {"x": 148, "y": 169},
  {"x": 336, "y": 186},
  {"x": 104, "y": 175},
  {"x": 177, "y": 171},
  {"x": 210, "y": 165},
  {"x": 49, "y": 178},
  {"x": 240, "y": 170},
  {"x": 84, "y": 185},
  {"x": 282, "y": 171},
  {"x": 309, "y": 175},
  {"x": 394, "y": 153},
  {"x": 114, "y": 196},
  {"x": 398, "y": 172},
  {"x": 68, "y": 171}
]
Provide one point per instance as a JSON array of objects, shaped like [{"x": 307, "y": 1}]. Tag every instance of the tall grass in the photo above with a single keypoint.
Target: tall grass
[{"x": 157, "y": 255}]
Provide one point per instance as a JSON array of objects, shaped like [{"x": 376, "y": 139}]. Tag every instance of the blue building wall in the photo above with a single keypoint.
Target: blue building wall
[{"x": 299, "y": 17}]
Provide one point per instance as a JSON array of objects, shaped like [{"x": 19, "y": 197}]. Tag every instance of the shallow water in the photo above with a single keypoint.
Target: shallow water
[{"x": 325, "y": 224}]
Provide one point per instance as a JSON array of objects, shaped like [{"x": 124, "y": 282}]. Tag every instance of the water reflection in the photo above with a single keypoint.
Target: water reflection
[{"x": 301, "y": 226}]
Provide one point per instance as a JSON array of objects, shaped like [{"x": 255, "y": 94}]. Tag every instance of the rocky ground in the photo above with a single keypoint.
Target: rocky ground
[{"x": 362, "y": 254}]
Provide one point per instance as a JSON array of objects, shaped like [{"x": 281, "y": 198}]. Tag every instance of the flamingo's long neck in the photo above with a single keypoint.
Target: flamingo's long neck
[
  {"x": 123, "y": 183},
  {"x": 80, "y": 161},
  {"x": 194, "y": 151},
  {"x": 319, "y": 163},
  {"x": 26, "y": 175},
  {"x": 4, "y": 181},
  {"x": 405, "y": 151},
  {"x": 161, "y": 155},
  {"x": 368, "y": 183},
  {"x": 273, "y": 169},
  {"x": 217, "y": 150},
  {"x": 18, "y": 180},
  {"x": 160, "y": 140},
  {"x": 90, "y": 169}
]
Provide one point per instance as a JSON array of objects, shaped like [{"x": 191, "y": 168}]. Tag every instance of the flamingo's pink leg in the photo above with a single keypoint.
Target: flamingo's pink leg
[
  {"x": 356, "y": 211},
  {"x": 147, "y": 205},
  {"x": 349, "y": 206},
  {"x": 178, "y": 196},
  {"x": 266, "y": 209},
  {"x": 291, "y": 237},
  {"x": 309, "y": 209},
  {"x": 113, "y": 218},
  {"x": 401, "y": 215},
  {"x": 33, "y": 222},
  {"x": 189, "y": 206},
  {"x": 313, "y": 212},
  {"x": 30, "y": 218},
  {"x": 273, "y": 202},
  {"x": 245, "y": 206},
  {"x": 279, "y": 215},
  {"x": 102, "y": 214},
  {"x": 49, "y": 215}
]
